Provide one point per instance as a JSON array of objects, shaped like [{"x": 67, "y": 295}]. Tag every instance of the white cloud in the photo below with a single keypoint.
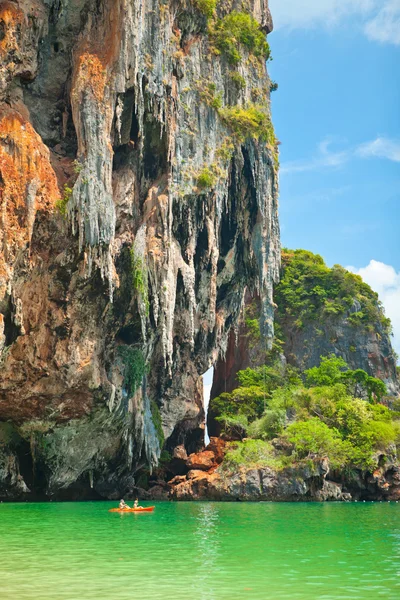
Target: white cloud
[
  {"x": 386, "y": 281},
  {"x": 379, "y": 19},
  {"x": 324, "y": 158},
  {"x": 296, "y": 14},
  {"x": 385, "y": 26},
  {"x": 381, "y": 148}
]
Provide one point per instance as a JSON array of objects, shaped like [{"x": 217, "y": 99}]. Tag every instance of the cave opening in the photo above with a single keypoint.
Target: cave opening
[{"x": 155, "y": 149}]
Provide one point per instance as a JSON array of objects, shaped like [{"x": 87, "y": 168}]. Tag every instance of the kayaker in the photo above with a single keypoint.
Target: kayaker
[
  {"x": 136, "y": 503},
  {"x": 123, "y": 505}
]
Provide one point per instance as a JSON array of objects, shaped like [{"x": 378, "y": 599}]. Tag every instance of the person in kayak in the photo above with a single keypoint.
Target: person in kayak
[
  {"x": 123, "y": 505},
  {"x": 136, "y": 504}
]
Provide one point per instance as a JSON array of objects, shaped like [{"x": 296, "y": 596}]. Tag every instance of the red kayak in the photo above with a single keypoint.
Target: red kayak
[{"x": 140, "y": 509}]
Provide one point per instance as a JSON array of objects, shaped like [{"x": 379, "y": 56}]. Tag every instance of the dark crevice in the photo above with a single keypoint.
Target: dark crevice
[
  {"x": 2, "y": 30},
  {"x": 155, "y": 150},
  {"x": 11, "y": 330}
]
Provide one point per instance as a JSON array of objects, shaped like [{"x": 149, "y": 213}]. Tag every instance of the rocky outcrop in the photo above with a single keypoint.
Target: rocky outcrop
[
  {"x": 311, "y": 482},
  {"x": 134, "y": 215},
  {"x": 363, "y": 345}
]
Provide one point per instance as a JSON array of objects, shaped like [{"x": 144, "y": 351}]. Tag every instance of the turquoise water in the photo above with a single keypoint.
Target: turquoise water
[{"x": 205, "y": 551}]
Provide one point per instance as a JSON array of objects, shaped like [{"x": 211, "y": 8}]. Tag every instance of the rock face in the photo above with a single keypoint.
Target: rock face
[{"x": 133, "y": 217}]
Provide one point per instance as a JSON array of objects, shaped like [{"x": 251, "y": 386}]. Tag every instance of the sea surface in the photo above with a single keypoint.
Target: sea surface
[{"x": 204, "y": 551}]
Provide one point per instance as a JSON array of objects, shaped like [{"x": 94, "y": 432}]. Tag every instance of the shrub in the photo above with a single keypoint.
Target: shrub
[
  {"x": 253, "y": 121},
  {"x": 206, "y": 7},
  {"x": 313, "y": 438},
  {"x": 234, "y": 426},
  {"x": 135, "y": 367},
  {"x": 61, "y": 203},
  {"x": 328, "y": 372},
  {"x": 206, "y": 179},
  {"x": 239, "y": 29},
  {"x": 209, "y": 95},
  {"x": 251, "y": 454},
  {"x": 269, "y": 426},
  {"x": 273, "y": 86}
]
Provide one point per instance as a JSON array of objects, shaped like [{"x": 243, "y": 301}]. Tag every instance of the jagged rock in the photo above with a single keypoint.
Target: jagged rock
[
  {"x": 202, "y": 461},
  {"x": 218, "y": 447},
  {"x": 180, "y": 453},
  {"x": 301, "y": 483},
  {"x": 106, "y": 98},
  {"x": 331, "y": 491}
]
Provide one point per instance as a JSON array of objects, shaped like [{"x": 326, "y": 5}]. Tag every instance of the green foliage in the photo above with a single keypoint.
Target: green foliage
[
  {"x": 135, "y": 367},
  {"x": 333, "y": 369},
  {"x": 251, "y": 397},
  {"x": 206, "y": 7},
  {"x": 253, "y": 329},
  {"x": 311, "y": 291},
  {"x": 328, "y": 372},
  {"x": 139, "y": 279},
  {"x": 156, "y": 417},
  {"x": 252, "y": 121},
  {"x": 235, "y": 30},
  {"x": 273, "y": 86},
  {"x": 77, "y": 166},
  {"x": 225, "y": 150},
  {"x": 234, "y": 426},
  {"x": 326, "y": 419},
  {"x": 269, "y": 426},
  {"x": 251, "y": 454},
  {"x": 238, "y": 80},
  {"x": 61, "y": 203},
  {"x": 252, "y": 324},
  {"x": 206, "y": 179},
  {"x": 209, "y": 95},
  {"x": 313, "y": 438}
]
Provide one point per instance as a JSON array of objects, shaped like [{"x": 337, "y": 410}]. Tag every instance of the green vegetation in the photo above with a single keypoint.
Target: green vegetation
[
  {"x": 225, "y": 150},
  {"x": 208, "y": 94},
  {"x": 253, "y": 454},
  {"x": 206, "y": 179},
  {"x": 321, "y": 414},
  {"x": 309, "y": 290},
  {"x": 238, "y": 29},
  {"x": 77, "y": 166},
  {"x": 238, "y": 80},
  {"x": 250, "y": 121},
  {"x": 139, "y": 279},
  {"x": 134, "y": 367},
  {"x": 61, "y": 203},
  {"x": 273, "y": 86},
  {"x": 206, "y": 7}
]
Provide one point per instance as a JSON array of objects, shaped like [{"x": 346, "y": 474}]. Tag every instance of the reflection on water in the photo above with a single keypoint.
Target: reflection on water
[
  {"x": 79, "y": 551},
  {"x": 206, "y": 536}
]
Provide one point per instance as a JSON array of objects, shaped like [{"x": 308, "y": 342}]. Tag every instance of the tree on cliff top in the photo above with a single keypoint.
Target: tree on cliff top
[{"x": 310, "y": 290}]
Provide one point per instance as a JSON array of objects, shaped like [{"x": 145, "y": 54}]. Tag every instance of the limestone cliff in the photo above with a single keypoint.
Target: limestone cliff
[
  {"x": 318, "y": 311},
  {"x": 138, "y": 191}
]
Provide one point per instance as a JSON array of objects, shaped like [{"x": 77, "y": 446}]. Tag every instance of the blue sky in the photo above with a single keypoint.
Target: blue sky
[{"x": 337, "y": 115}]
